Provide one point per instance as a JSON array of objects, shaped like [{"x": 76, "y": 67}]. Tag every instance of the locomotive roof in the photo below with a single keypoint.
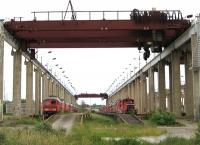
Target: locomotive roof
[{"x": 51, "y": 98}]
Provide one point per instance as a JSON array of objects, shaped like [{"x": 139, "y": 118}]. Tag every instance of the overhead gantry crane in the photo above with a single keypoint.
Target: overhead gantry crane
[{"x": 153, "y": 29}]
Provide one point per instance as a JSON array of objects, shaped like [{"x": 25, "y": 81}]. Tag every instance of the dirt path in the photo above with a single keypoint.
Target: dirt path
[
  {"x": 187, "y": 131},
  {"x": 64, "y": 122}
]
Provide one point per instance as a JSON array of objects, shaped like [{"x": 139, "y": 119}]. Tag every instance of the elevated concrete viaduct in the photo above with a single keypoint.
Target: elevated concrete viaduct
[
  {"x": 184, "y": 50},
  {"x": 45, "y": 83}
]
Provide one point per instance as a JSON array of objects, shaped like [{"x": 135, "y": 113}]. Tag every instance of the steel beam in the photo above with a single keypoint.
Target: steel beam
[{"x": 43, "y": 34}]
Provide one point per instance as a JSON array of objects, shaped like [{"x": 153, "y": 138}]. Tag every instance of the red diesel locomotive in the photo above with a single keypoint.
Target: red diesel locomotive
[
  {"x": 53, "y": 104},
  {"x": 121, "y": 106}
]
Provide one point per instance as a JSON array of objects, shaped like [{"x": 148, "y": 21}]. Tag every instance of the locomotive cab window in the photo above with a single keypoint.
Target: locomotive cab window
[{"x": 53, "y": 102}]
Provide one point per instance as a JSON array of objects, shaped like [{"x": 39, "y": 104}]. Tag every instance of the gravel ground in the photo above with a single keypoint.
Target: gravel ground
[
  {"x": 187, "y": 131},
  {"x": 64, "y": 122}
]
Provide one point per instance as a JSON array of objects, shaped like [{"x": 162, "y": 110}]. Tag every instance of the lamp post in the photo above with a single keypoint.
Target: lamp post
[
  {"x": 126, "y": 69},
  {"x": 123, "y": 78},
  {"x": 139, "y": 60},
  {"x": 43, "y": 54},
  {"x": 47, "y": 65},
  {"x": 130, "y": 73},
  {"x": 130, "y": 69},
  {"x": 135, "y": 69}
]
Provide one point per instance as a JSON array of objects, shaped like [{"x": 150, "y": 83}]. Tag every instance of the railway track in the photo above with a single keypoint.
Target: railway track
[
  {"x": 126, "y": 118},
  {"x": 130, "y": 119}
]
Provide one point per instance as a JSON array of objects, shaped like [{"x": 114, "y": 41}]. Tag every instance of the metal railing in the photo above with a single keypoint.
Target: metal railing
[
  {"x": 81, "y": 15},
  {"x": 108, "y": 15}
]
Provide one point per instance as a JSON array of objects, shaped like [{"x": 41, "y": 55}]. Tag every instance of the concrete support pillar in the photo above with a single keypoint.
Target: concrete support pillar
[
  {"x": 54, "y": 88},
  {"x": 176, "y": 86},
  {"x": 43, "y": 87},
  {"x": 129, "y": 90},
  {"x": 138, "y": 96},
  {"x": 68, "y": 97},
  {"x": 37, "y": 92},
  {"x": 151, "y": 89},
  {"x": 125, "y": 92},
  {"x": 170, "y": 98},
  {"x": 63, "y": 90},
  {"x": 1, "y": 70},
  {"x": 196, "y": 91},
  {"x": 132, "y": 90},
  {"x": 29, "y": 88},
  {"x": 47, "y": 86},
  {"x": 65, "y": 95},
  {"x": 50, "y": 87},
  {"x": 58, "y": 90},
  {"x": 161, "y": 86},
  {"x": 143, "y": 93},
  {"x": 196, "y": 75},
  {"x": 189, "y": 100},
  {"x": 17, "y": 69}
]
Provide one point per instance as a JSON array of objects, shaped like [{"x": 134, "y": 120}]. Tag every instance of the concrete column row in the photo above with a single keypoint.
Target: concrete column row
[
  {"x": 49, "y": 87},
  {"x": 145, "y": 103}
]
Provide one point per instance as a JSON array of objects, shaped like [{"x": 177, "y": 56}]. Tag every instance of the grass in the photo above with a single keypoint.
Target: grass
[
  {"x": 33, "y": 137},
  {"x": 89, "y": 133},
  {"x": 177, "y": 141},
  {"x": 197, "y": 141},
  {"x": 10, "y": 121},
  {"x": 94, "y": 129},
  {"x": 107, "y": 127}
]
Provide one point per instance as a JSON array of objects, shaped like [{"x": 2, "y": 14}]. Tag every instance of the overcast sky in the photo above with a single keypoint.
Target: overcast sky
[{"x": 89, "y": 70}]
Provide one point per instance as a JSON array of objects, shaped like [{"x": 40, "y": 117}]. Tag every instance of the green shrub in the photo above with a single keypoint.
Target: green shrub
[
  {"x": 197, "y": 140},
  {"x": 93, "y": 111},
  {"x": 163, "y": 118},
  {"x": 2, "y": 138}
]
